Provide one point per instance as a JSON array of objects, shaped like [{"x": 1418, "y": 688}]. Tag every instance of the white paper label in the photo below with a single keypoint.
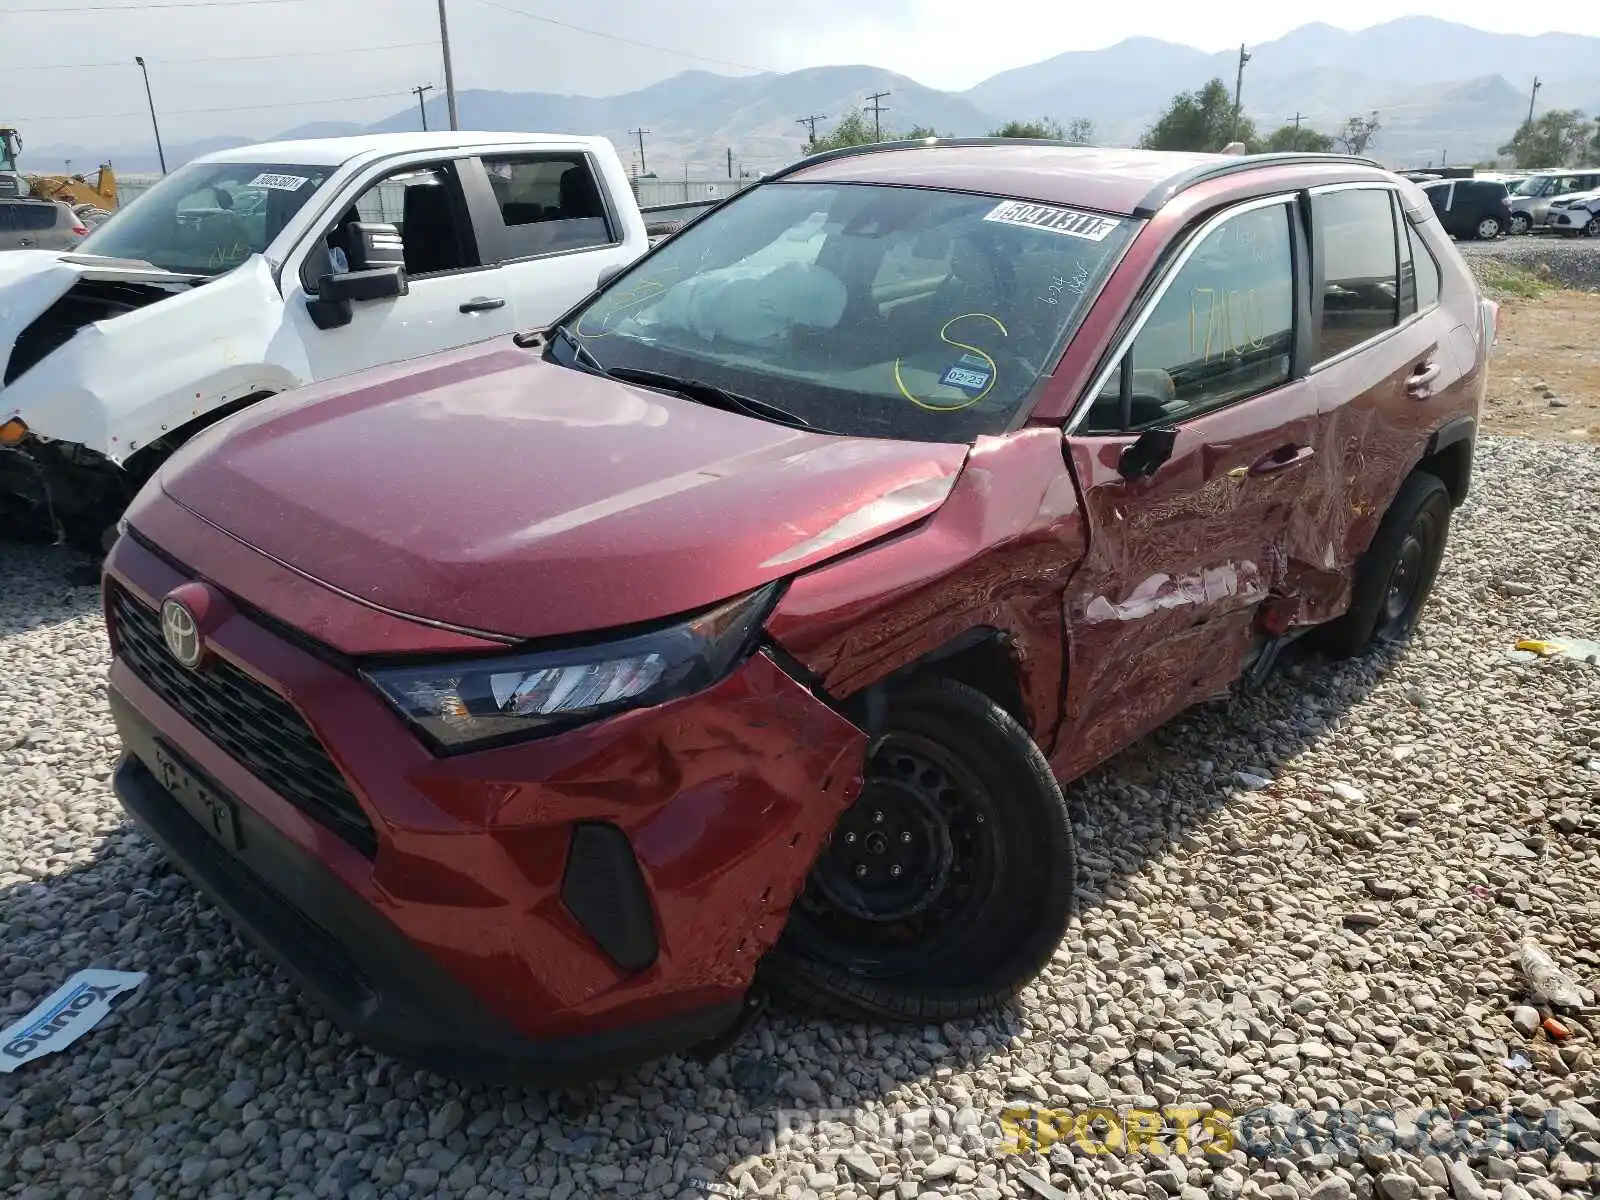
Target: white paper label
[
  {"x": 64, "y": 1016},
  {"x": 1089, "y": 226},
  {"x": 278, "y": 183}
]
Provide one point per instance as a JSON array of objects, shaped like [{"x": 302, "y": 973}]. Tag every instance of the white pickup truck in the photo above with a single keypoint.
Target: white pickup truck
[{"x": 255, "y": 270}]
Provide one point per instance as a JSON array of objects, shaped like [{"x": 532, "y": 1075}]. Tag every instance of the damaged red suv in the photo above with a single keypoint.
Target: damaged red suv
[{"x": 538, "y": 704}]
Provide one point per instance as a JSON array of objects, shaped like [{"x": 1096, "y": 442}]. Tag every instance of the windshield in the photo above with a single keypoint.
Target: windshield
[
  {"x": 865, "y": 310},
  {"x": 207, "y": 218},
  {"x": 1534, "y": 185}
]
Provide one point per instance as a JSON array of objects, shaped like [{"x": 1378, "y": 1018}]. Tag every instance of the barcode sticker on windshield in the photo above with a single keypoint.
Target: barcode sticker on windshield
[
  {"x": 278, "y": 183},
  {"x": 1053, "y": 219}
]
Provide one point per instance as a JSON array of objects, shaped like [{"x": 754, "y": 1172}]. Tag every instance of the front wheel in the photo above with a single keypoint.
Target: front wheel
[
  {"x": 1592, "y": 229},
  {"x": 1396, "y": 574},
  {"x": 948, "y": 884},
  {"x": 1520, "y": 223}
]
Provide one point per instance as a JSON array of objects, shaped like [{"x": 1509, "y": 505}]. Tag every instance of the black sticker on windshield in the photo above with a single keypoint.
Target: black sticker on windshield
[
  {"x": 970, "y": 380},
  {"x": 1089, "y": 226}
]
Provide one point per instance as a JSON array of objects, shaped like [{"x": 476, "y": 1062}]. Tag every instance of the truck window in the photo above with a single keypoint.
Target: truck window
[
  {"x": 548, "y": 203},
  {"x": 425, "y": 204}
]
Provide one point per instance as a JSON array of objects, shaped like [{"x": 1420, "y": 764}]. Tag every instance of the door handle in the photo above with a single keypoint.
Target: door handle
[
  {"x": 1281, "y": 460},
  {"x": 1419, "y": 380},
  {"x": 483, "y": 304}
]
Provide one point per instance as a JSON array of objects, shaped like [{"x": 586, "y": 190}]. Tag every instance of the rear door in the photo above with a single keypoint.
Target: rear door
[
  {"x": 549, "y": 225},
  {"x": 1161, "y": 614},
  {"x": 456, "y": 295},
  {"x": 1388, "y": 360}
]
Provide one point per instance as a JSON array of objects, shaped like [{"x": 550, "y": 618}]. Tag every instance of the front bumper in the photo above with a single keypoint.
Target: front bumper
[{"x": 548, "y": 911}]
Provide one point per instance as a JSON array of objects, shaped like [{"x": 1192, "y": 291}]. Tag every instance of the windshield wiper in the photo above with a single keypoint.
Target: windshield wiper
[
  {"x": 579, "y": 351},
  {"x": 715, "y": 397}
]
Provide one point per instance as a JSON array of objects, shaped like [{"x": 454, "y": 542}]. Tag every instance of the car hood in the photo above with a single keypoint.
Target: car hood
[
  {"x": 32, "y": 280},
  {"x": 491, "y": 491}
]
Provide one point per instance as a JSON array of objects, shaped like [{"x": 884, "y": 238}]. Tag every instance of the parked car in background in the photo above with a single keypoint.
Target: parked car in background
[
  {"x": 259, "y": 269},
  {"x": 532, "y": 701},
  {"x": 1470, "y": 208},
  {"x": 1530, "y": 199},
  {"x": 1578, "y": 213},
  {"x": 28, "y": 224}
]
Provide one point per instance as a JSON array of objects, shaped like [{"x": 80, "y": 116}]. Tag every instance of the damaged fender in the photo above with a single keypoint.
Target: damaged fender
[{"x": 115, "y": 385}]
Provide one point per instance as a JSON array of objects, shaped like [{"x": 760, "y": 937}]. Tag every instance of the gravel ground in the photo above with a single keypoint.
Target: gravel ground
[
  {"x": 1572, "y": 262},
  {"x": 1312, "y": 897}
]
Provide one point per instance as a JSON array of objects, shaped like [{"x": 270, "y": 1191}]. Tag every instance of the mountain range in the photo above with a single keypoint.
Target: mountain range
[{"x": 1442, "y": 91}]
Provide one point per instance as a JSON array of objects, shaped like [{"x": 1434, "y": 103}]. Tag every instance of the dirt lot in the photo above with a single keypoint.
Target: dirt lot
[{"x": 1544, "y": 380}]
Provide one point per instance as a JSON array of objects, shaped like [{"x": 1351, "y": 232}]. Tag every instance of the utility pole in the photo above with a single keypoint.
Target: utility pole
[
  {"x": 811, "y": 123},
  {"x": 449, "y": 71},
  {"x": 1238, "y": 92},
  {"x": 878, "y": 109},
  {"x": 1533, "y": 95},
  {"x": 639, "y": 133},
  {"x": 148, "y": 95},
  {"x": 730, "y": 162},
  {"x": 1294, "y": 142},
  {"x": 421, "y": 107}
]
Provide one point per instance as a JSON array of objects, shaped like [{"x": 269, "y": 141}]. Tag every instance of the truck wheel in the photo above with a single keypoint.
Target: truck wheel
[
  {"x": 1395, "y": 575},
  {"x": 948, "y": 884}
]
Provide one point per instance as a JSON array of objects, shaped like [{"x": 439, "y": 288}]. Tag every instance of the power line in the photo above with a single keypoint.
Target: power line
[
  {"x": 811, "y": 123},
  {"x": 613, "y": 37},
  {"x": 211, "y": 109},
  {"x": 158, "y": 62},
  {"x": 140, "y": 7}
]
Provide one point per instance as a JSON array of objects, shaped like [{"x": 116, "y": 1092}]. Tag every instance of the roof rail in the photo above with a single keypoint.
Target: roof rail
[
  {"x": 1165, "y": 191},
  {"x": 913, "y": 144}
]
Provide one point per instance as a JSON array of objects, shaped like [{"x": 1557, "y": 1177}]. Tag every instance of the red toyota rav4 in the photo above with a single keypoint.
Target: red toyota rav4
[{"x": 535, "y": 704}]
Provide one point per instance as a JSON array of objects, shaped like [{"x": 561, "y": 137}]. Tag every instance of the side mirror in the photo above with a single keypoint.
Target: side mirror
[
  {"x": 609, "y": 274},
  {"x": 1147, "y": 455},
  {"x": 331, "y": 307}
]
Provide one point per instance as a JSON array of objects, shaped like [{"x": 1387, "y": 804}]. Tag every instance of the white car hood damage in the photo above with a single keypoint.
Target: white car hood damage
[{"x": 119, "y": 383}]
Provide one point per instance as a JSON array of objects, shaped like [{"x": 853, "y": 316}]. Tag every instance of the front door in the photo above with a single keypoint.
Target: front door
[
  {"x": 455, "y": 294},
  {"x": 1162, "y": 612}
]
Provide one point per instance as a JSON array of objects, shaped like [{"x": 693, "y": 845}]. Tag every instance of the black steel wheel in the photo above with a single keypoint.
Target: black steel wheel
[
  {"x": 1395, "y": 576},
  {"x": 948, "y": 883}
]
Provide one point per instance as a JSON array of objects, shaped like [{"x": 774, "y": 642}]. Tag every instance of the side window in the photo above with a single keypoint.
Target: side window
[
  {"x": 426, "y": 205},
  {"x": 548, "y": 203},
  {"x": 1408, "y": 270},
  {"x": 1222, "y": 331},
  {"x": 1427, "y": 270},
  {"x": 1360, "y": 290}
]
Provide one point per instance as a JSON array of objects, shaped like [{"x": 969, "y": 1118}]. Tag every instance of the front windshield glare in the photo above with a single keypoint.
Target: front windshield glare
[
  {"x": 866, "y": 310},
  {"x": 1533, "y": 186},
  {"x": 208, "y": 218}
]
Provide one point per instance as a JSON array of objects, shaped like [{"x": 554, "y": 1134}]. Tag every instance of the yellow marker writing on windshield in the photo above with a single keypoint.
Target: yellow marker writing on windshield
[{"x": 994, "y": 371}]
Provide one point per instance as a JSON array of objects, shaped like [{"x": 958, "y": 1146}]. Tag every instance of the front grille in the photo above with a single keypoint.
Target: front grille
[{"x": 256, "y": 726}]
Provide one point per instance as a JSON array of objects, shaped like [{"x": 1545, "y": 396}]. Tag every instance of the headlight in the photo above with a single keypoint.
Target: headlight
[{"x": 468, "y": 703}]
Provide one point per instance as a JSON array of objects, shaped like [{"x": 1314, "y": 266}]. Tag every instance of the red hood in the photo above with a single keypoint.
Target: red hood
[{"x": 490, "y": 490}]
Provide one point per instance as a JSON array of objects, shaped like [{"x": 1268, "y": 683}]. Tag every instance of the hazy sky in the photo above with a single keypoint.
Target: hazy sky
[{"x": 355, "y": 52}]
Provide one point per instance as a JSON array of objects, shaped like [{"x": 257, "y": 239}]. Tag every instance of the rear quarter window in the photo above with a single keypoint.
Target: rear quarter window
[{"x": 1355, "y": 237}]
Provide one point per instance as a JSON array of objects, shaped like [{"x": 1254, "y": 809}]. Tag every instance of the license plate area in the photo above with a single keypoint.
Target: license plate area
[{"x": 216, "y": 813}]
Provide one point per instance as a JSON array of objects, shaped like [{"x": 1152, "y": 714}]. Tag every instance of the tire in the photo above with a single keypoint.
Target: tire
[
  {"x": 1488, "y": 229},
  {"x": 989, "y": 869},
  {"x": 1592, "y": 229},
  {"x": 1396, "y": 574},
  {"x": 1520, "y": 223}
]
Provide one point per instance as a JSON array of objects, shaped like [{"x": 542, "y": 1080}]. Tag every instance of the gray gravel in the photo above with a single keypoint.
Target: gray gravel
[
  {"x": 1573, "y": 262},
  {"x": 1312, "y": 897}
]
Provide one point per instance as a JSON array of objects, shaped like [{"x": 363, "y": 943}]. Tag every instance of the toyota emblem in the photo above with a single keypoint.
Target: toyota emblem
[{"x": 181, "y": 632}]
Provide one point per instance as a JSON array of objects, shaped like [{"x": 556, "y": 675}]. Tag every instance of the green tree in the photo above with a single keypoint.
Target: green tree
[
  {"x": 853, "y": 129},
  {"x": 1287, "y": 137},
  {"x": 1556, "y": 138},
  {"x": 1048, "y": 128},
  {"x": 922, "y": 131},
  {"x": 1358, "y": 133},
  {"x": 1080, "y": 131},
  {"x": 1201, "y": 120}
]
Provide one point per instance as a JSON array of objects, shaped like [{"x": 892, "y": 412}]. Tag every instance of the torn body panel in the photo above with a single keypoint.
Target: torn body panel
[
  {"x": 726, "y": 797},
  {"x": 996, "y": 556}
]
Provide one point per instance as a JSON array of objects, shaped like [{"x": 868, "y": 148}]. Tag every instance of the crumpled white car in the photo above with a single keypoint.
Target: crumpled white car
[
  {"x": 1575, "y": 214},
  {"x": 252, "y": 271}
]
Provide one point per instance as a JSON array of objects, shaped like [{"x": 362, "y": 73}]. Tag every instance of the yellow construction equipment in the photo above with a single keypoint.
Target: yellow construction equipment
[{"x": 75, "y": 190}]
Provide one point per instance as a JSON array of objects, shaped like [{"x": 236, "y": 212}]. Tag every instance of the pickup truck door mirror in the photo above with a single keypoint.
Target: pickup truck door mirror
[
  {"x": 377, "y": 271},
  {"x": 1145, "y": 457}
]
